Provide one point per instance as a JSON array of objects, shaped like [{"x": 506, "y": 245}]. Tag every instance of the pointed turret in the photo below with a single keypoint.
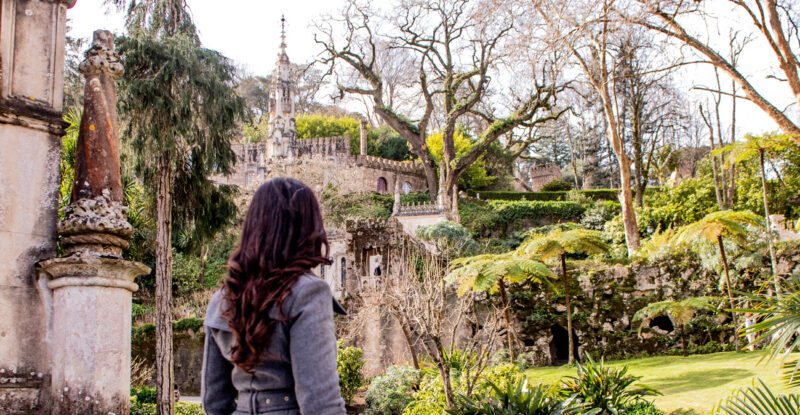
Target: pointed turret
[{"x": 282, "y": 141}]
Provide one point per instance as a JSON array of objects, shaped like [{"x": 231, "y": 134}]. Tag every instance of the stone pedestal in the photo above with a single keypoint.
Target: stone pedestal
[{"x": 91, "y": 333}]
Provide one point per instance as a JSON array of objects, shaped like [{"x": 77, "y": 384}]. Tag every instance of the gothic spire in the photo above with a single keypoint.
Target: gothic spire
[{"x": 283, "y": 33}]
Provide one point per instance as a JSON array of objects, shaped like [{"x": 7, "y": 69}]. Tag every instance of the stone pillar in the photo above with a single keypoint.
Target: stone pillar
[
  {"x": 31, "y": 89},
  {"x": 90, "y": 288},
  {"x": 363, "y": 148},
  {"x": 397, "y": 203}
]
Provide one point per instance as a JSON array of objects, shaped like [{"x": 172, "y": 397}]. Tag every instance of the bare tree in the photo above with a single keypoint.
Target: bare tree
[
  {"x": 588, "y": 31},
  {"x": 437, "y": 322},
  {"x": 773, "y": 20},
  {"x": 456, "y": 46}
]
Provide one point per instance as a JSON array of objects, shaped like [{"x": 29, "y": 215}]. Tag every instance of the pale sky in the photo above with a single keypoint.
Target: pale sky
[{"x": 248, "y": 32}]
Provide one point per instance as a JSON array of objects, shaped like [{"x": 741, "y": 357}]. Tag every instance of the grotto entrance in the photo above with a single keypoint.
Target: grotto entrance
[
  {"x": 559, "y": 346},
  {"x": 663, "y": 323}
]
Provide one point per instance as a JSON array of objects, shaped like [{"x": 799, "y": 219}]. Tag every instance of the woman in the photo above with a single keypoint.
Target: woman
[{"x": 270, "y": 342}]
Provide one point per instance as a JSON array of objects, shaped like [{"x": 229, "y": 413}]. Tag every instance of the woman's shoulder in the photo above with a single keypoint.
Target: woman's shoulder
[
  {"x": 216, "y": 307},
  {"x": 308, "y": 288}
]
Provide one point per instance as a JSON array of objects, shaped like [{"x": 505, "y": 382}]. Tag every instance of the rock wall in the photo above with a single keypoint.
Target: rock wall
[
  {"x": 325, "y": 161},
  {"x": 605, "y": 298}
]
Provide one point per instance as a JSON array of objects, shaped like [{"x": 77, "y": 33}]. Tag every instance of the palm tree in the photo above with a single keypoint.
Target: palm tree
[
  {"x": 680, "y": 312},
  {"x": 556, "y": 245},
  {"x": 491, "y": 273},
  {"x": 760, "y": 147},
  {"x": 713, "y": 228}
]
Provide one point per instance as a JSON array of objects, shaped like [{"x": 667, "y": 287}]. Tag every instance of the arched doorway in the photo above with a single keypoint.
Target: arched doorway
[
  {"x": 559, "y": 346},
  {"x": 383, "y": 185}
]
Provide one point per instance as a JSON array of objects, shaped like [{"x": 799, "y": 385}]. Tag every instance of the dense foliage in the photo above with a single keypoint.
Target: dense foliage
[
  {"x": 475, "y": 176},
  {"x": 391, "y": 392},
  {"x": 557, "y": 185},
  {"x": 611, "y": 390},
  {"x": 349, "y": 362},
  {"x": 594, "y": 194}
]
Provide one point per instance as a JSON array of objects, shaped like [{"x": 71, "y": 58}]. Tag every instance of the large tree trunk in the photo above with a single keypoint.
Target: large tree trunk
[
  {"x": 730, "y": 292},
  {"x": 683, "y": 341},
  {"x": 165, "y": 403},
  {"x": 632, "y": 237},
  {"x": 768, "y": 222},
  {"x": 569, "y": 306},
  {"x": 507, "y": 316},
  {"x": 638, "y": 160},
  {"x": 409, "y": 340}
]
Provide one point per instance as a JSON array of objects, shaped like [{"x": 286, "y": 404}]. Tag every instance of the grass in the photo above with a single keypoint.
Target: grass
[{"x": 691, "y": 385}]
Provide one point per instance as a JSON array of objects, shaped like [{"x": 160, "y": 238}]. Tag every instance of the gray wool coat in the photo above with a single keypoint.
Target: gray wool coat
[{"x": 297, "y": 374}]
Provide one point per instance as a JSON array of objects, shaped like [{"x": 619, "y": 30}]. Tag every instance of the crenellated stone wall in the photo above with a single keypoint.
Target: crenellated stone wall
[{"x": 322, "y": 162}]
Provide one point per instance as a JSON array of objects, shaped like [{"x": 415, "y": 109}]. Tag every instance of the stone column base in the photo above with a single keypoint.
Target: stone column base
[{"x": 90, "y": 333}]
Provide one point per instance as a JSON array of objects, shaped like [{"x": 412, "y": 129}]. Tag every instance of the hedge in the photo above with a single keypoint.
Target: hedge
[
  {"x": 511, "y": 211},
  {"x": 594, "y": 194}
]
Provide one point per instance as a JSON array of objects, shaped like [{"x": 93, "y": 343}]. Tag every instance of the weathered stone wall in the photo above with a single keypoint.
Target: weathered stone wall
[
  {"x": 31, "y": 86},
  {"x": 325, "y": 162},
  {"x": 187, "y": 356},
  {"x": 605, "y": 298}
]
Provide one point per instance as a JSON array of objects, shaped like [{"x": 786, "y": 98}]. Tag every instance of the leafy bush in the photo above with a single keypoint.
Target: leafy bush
[
  {"x": 349, "y": 361},
  {"x": 475, "y": 175},
  {"x": 390, "y": 393},
  {"x": 687, "y": 202},
  {"x": 557, "y": 185},
  {"x": 145, "y": 394},
  {"x": 607, "y": 389},
  {"x": 181, "y": 408},
  {"x": 511, "y": 213},
  {"x": 450, "y": 238},
  {"x": 430, "y": 398},
  {"x": 641, "y": 408},
  {"x": 518, "y": 399},
  {"x": 338, "y": 207},
  {"x": 598, "y": 214}
]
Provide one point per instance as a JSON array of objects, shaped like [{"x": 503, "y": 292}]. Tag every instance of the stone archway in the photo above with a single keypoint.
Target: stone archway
[
  {"x": 383, "y": 185},
  {"x": 559, "y": 345},
  {"x": 663, "y": 323}
]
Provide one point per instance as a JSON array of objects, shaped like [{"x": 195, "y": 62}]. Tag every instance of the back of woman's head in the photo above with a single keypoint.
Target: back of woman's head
[{"x": 282, "y": 238}]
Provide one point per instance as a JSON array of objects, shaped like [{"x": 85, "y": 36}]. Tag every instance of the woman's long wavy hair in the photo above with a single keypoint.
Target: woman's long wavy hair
[{"x": 282, "y": 239}]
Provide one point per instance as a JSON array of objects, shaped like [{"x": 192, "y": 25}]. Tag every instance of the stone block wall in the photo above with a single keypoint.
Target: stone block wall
[{"x": 322, "y": 162}]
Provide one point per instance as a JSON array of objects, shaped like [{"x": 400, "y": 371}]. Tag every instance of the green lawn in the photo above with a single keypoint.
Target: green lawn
[{"x": 691, "y": 385}]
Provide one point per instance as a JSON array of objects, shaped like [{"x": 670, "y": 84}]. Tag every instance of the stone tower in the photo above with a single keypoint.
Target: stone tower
[{"x": 282, "y": 139}]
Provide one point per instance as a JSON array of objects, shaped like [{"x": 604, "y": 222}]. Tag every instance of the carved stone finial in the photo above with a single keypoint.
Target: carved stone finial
[{"x": 95, "y": 220}]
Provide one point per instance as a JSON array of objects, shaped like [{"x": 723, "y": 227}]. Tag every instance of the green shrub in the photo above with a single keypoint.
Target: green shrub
[
  {"x": 687, "y": 202},
  {"x": 605, "y": 388},
  {"x": 181, "y": 408},
  {"x": 430, "y": 398},
  {"x": 145, "y": 394},
  {"x": 512, "y": 213},
  {"x": 449, "y": 237},
  {"x": 349, "y": 361},
  {"x": 557, "y": 185},
  {"x": 519, "y": 399},
  {"x": 598, "y": 214},
  {"x": 641, "y": 408},
  {"x": 390, "y": 393}
]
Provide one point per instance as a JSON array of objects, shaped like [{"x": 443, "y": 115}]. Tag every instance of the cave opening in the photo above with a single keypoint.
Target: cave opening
[{"x": 559, "y": 346}]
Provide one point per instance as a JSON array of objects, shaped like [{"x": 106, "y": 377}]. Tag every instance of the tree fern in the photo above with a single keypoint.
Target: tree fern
[
  {"x": 490, "y": 273},
  {"x": 680, "y": 312},
  {"x": 556, "y": 244}
]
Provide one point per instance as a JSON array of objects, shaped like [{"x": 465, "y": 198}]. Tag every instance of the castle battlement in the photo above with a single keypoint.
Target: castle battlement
[
  {"x": 323, "y": 147},
  {"x": 407, "y": 167}
]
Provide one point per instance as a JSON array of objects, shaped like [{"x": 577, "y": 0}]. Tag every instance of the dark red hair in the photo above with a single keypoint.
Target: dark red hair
[{"x": 282, "y": 239}]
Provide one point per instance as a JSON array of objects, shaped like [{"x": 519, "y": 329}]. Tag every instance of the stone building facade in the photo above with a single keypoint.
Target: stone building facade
[
  {"x": 318, "y": 162},
  {"x": 541, "y": 175},
  {"x": 31, "y": 88}
]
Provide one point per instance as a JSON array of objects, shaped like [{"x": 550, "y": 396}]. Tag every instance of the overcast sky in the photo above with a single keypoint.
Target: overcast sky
[{"x": 248, "y": 32}]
